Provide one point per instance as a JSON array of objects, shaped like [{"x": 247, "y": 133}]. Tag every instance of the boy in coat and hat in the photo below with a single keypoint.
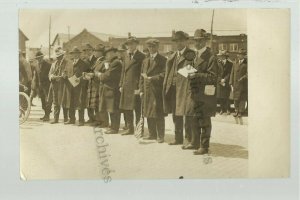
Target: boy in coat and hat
[
  {"x": 78, "y": 93},
  {"x": 109, "y": 94},
  {"x": 223, "y": 87},
  {"x": 203, "y": 83},
  {"x": 176, "y": 86},
  {"x": 239, "y": 83},
  {"x": 151, "y": 83},
  {"x": 129, "y": 84}
]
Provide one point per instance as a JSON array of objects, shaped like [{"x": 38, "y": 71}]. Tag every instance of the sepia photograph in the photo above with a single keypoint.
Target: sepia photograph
[{"x": 133, "y": 94}]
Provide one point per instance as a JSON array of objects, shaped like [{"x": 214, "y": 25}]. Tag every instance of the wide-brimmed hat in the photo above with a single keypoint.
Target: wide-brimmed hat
[
  {"x": 132, "y": 39},
  {"x": 39, "y": 54},
  {"x": 59, "y": 52},
  {"x": 200, "y": 34},
  {"x": 242, "y": 51},
  {"x": 109, "y": 48},
  {"x": 99, "y": 47},
  {"x": 152, "y": 41},
  {"x": 87, "y": 46},
  {"x": 180, "y": 35},
  {"x": 75, "y": 50},
  {"x": 122, "y": 47},
  {"x": 222, "y": 53}
]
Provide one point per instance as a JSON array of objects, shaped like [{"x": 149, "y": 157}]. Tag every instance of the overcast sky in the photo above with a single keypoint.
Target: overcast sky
[{"x": 150, "y": 22}]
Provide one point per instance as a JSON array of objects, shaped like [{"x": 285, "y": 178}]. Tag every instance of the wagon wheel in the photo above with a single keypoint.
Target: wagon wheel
[{"x": 24, "y": 107}]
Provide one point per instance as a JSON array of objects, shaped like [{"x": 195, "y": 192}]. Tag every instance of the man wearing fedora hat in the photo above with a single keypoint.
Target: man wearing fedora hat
[
  {"x": 109, "y": 94},
  {"x": 129, "y": 84},
  {"x": 223, "y": 87},
  {"x": 176, "y": 86},
  {"x": 239, "y": 82},
  {"x": 79, "y": 92},
  {"x": 151, "y": 83},
  {"x": 41, "y": 83},
  {"x": 57, "y": 77},
  {"x": 203, "y": 96}
]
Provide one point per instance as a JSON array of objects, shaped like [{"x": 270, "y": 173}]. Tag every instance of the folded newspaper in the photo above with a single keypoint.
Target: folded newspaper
[
  {"x": 74, "y": 81},
  {"x": 185, "y": 71}
]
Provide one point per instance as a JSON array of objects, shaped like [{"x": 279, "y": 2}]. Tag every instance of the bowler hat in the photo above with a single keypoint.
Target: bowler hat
[
  {"x": 99, "y": 47},
  {"x": 75, "y": 50},
  {"x": 132, "y": 39},
  {"x": 152, "y": 41},
  {"x": 109, "y": 48},
  {"x": 59, "y": 52},
  {"x": 39, "y": 54},
  {"x": 200, "y": 34},
  {"x": 180, "y": 35},
  {"x": 87, "y": 46},
  {"x": 122, "y": 47},
  {"x": 242, "y": 51},
  {"x": 222, "y": 53}
]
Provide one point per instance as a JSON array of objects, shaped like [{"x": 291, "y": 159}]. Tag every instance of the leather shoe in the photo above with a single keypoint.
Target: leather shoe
[
  {"x": 70, "y": 122},
  {"x": 111, "y": 131},
  {"x": 80, "y": 124},
  {"x": 89, "y": 121},
  {"x": 235, "y": 114},
  {"x": 65, "y": 120},
  {"x": 149, "y": 138},
  {"x": 46, "y": 119},
  {"x": 201, "y": 151},
  {"x": 175, "y": 143},
  {"x": 189, "y": 146},
  {"x": 54, "y": 121},
  {"x": 42, "y": 118},
  {"x": 160, "y": 140},
  {"x": 127, "y": 133}
]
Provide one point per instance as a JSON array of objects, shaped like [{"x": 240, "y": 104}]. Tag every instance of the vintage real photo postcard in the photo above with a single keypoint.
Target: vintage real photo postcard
[{"x": 136, "y": 93}]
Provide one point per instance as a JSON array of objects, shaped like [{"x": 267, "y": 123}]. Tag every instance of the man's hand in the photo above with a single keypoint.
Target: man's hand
[
  {"x": 191, "y": 75},
  {"x": 120, "y": 89},
  {"x": 144, "y": 75},
  {"x": 141, "y": 94}
]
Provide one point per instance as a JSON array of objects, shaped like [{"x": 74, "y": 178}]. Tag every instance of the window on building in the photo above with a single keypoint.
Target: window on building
[
  {"x": 222, "y": 46},
  {"x": 233, "y": 47},
  {"x": 167, "y": 48}
]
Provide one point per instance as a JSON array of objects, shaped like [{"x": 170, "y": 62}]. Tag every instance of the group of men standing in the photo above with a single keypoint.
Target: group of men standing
[{"x": 108, "y": 81}]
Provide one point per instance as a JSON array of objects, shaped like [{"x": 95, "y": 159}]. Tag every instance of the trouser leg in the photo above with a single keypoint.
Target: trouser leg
[
  {"x": 56, "y": 112},
  {"x": 236, "y": 105},
  {"x": 81, "y": 115},
  {"x": 152, "y": 127},
  {"x": 188, "y": 128},
  {"x": 160, "y": 127},
  {"x": 115, "y": 120},
  {"x": 66, "y": 113},
  {"x": 91, "y": 114},
  {"x": 137, "y": 109},
  {"x": 178, "y": 123},
  {"x": 129, "y": 117},
  {"x": 205, "y": 133},
  {"x": 242, "y": 105},
  {"x": 102, "y": 118}
]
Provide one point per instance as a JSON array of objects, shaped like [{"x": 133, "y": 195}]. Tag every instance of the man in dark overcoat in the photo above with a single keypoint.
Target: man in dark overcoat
[
  {"x": 223, "y": 87},
  {"x": 176, "y": 86},
  {"x": 151, "y": 83},
  {"x": 109, "y": 94},
  {"x": 129, "y": 84},
  {"x": 42, "y": 83},
  {"x": 203, "y": 94},
  {"x": 239, "y": 83},
  {"x": 79, "y": 92}
]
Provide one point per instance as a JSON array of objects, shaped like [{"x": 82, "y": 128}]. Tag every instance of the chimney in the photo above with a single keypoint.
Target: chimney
[{"x": 129, "y": 34}]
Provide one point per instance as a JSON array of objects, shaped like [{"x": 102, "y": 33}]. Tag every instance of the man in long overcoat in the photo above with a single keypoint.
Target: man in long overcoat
[
  {"x": 58, "y": 78},
  {"x": 239, "y": 83},
  {"x": 203, "y": 94},
  {"x": 78, "y": 95},
  {"x": 109, "y": 94},
  {"x": 151, "y": 83},
  {"x": 223, "y": 87},
  {"x": 129, "y": 84},
  {"x": 176, "y": 86}
]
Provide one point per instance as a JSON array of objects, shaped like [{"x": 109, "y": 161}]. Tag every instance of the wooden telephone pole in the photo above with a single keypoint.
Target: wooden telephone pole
[
  {"x": 49, "y": 36},
  {"x": 211, "y": 28}
]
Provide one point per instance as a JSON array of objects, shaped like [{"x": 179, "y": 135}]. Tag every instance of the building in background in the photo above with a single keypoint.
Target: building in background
[{"x": 22, "y": 41}]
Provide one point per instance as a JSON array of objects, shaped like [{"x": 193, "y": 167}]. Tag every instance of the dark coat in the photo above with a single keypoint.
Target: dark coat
[
  {"x": 130, "y": 80},
  {"x": 91, "y": 62},
  {"x": 223, "y": 92},
  {"x": 207, "y": 75},
  {"x": 239, "y": 81},
  {"x": 79, "y": 93},
  {"x": 152, "y": 89},
  {"x": 40, "y": 76},
  {"x": 109, "y": 94}
]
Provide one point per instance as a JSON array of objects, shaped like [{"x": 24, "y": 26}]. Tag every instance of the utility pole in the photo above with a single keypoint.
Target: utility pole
[
  {"x": 49, "y": 36},
  {"x": 68, "y": 33},
  {"x": 211, "y": 28}
]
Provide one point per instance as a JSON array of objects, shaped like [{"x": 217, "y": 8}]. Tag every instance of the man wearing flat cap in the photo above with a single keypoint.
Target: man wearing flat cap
[
  {"x": 175, "y": 86},
  {"x": 109, "y": 94},
  {"x": 88, "y": 54},
  {"x": 239, "y": 83},
  {"x": 78, "y": 95},
  {"x": 203, "y": 94},
  {"x": 41, "y": 83},
  {"x": 223, "y": 87},
  {"x": 58, "y": 78},
  {"x": 129, "y": 84},
  {"x": 151, "y": 84}
]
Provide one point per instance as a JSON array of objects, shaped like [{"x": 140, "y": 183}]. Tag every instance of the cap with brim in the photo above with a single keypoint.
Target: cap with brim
[
  {"x": 242, "y": 52},
  {"x": 87, "y": 46},
  {"x": 200, "y": 34},
  {"x": 39, "y": 55},
  {"x": 180, "y": 35},
  {"x": 108, "y": 49},
  {"x": 152, "y": 41},
  {"x": 75, "y": 50},
  {"x": 59, "y": 52},
  {"x": 132, "y": 39},
  {"x": 122, "y": 47},
  {"x": 222, "y": 53}
]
